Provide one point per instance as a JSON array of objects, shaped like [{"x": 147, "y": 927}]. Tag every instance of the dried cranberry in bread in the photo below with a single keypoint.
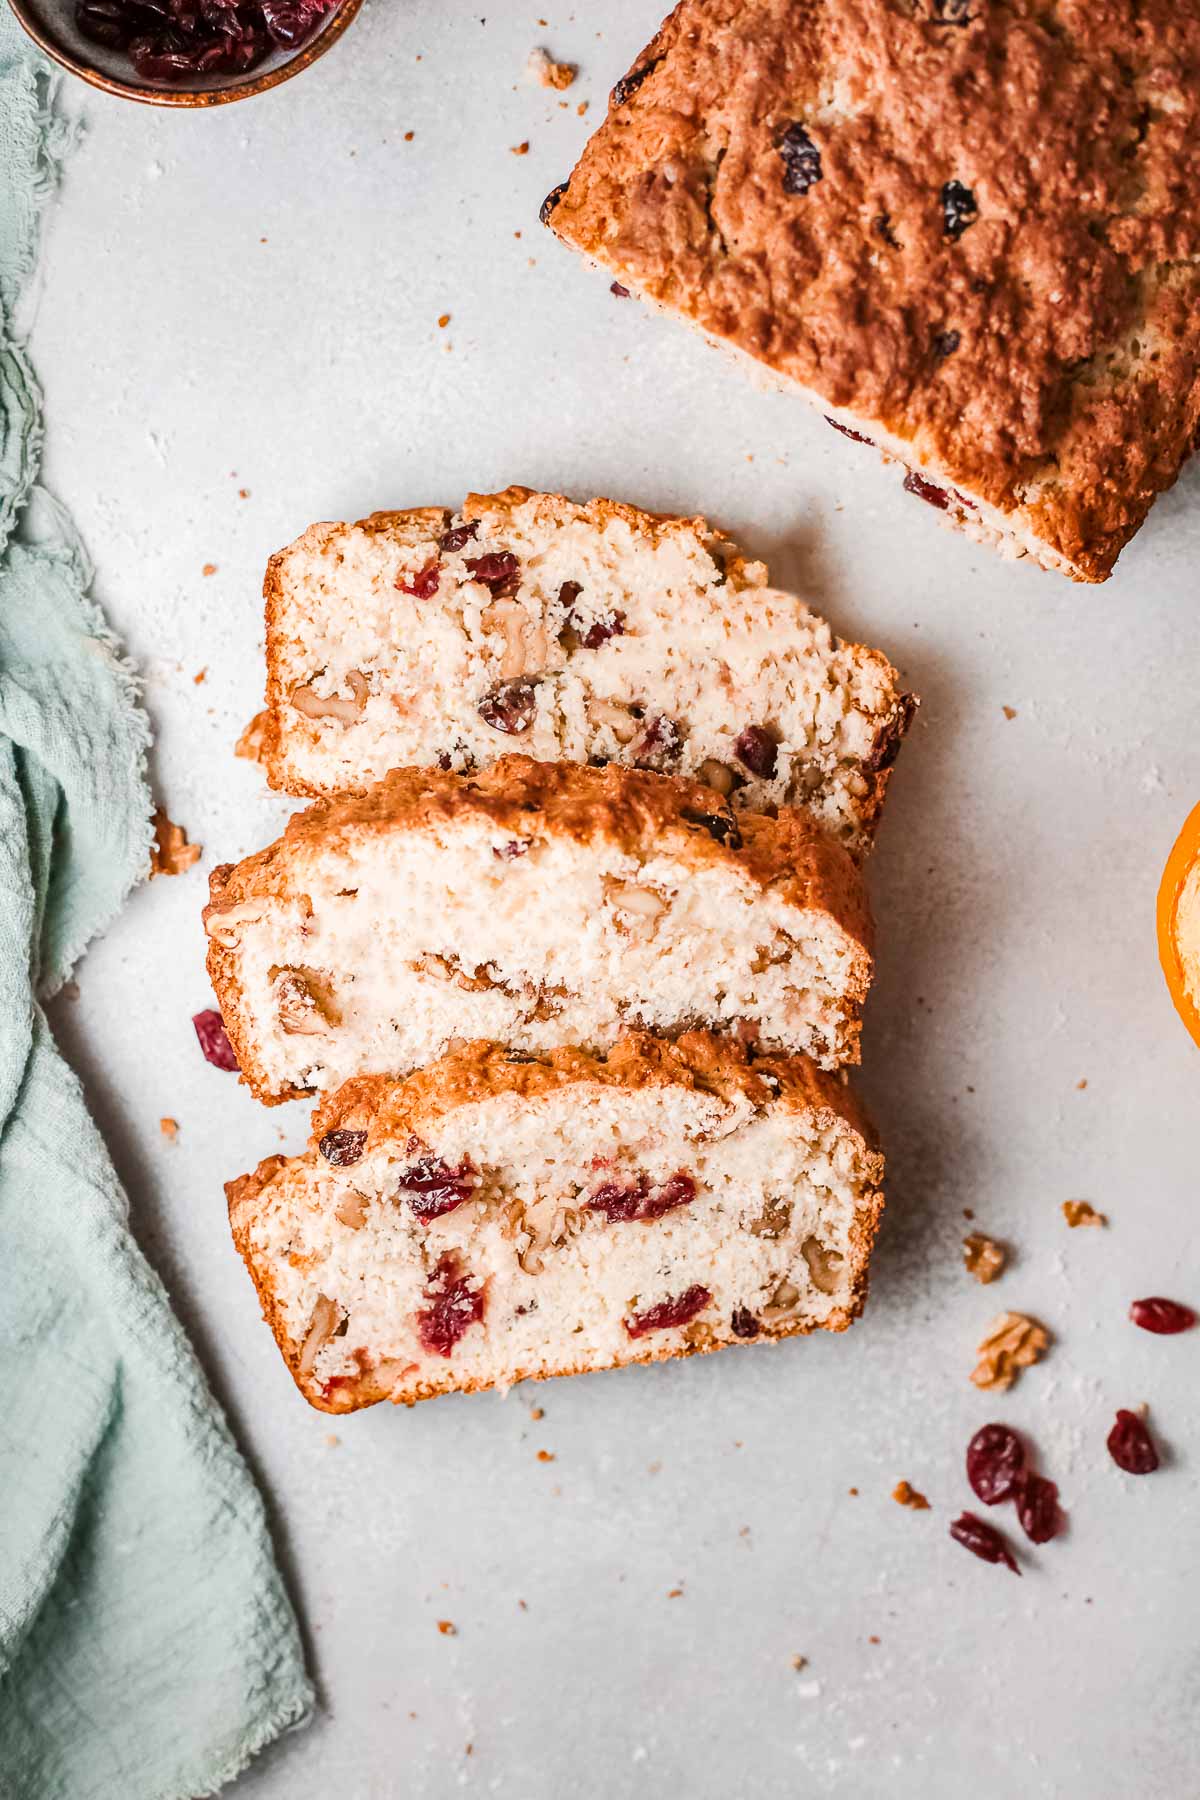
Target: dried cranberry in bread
[
  {"x": 536, "y": 904},
  {"x": 499, "y": 1217},
  {"x": 969, "y": 232},
  {"x": 596, "y": 633}
]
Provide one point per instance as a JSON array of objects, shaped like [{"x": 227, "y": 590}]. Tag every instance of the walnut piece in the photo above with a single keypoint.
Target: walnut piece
[
  {"x": 170, "y": 853},
  {"x": 773, "y": 1220},
  {"x": 824, "y": 1265},
  {"x": 984, "y": 1257},
  {"x": 717, "y": 775},
  {"x": 909, "y": 1496},
  {"x": 320, "y": 1330},
  {"x": 307, "y": 701},
  {"x": 1012, "y": 1342},
  {"x": 1082, "y": 1212},
  {"x": 542, "y": 68},
  {"x": 305, "y": 1001}
]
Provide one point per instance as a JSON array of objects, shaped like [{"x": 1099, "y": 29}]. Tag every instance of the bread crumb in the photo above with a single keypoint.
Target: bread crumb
[
  {"x": 1082, "y": 1212},
  {"x": 872, "y": 1640},
  {"x": 545, "y": 1456},
  {"x": 853, "y": 1493},
  {"x": 582, "y": 108},
  {"x": 524, "y": 1605},
  {"x": 409, "y": 136},
  {"x": 1012, "y": 1342},
  {"x": 209, "y": 569},
  {"x": 1010, "y": 712},
  {"x": 243, "y": 493},
  {"x": 910, "y": 1497},
  {"x": 674, "y": 1593},
  {"x": 542, "y": 68},
  {"x": 201, "y": 677},
  {"x": 169, "y": 1129},
  {"x": 520, "y": 149},
  {"x": 332, "y": 1439},
  {"x": 250, "y": 744},
  {"x": 538, "y": 1412},
  {"x": 799, "y": 1662},
  {"x": 170, "y": 853},
  {"x": 443, "y": 321},
  {"x": 447, "y": 1627},
  {"x": 1079, "y": 1086},
  {"x": 983, "y": 1256}
]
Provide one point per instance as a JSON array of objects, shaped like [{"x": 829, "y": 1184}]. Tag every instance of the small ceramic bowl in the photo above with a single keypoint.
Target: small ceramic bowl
[{"x": 51, "y": 25}]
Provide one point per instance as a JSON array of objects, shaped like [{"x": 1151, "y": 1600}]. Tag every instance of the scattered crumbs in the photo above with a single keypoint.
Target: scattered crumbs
[
  {"x": 409, "y": 136},
  {"x": 443, "y": 321},
  {"x": 209, "y": 569},
  {"x": 537, "y": 1412},
  {"x": 967, "y": 1213},
  {"x": 469, "y": 1750},
  {"x": 908, "y": 1496},
  {"x": 262, "y": 240},
  {"x": 169, "y": 1129},
  {"x": 1079, "y": 1086},
  {"x": 653, "y": 1468},
  {"x": 524, "y": 1605},
  {"x": 1012, "y": 1342},
  {"x": 447, "y": 1627},
  {"x": 201, "y": 677},
  {"x": 622, "y": 293},
  {"x": 582, "y": 108},
  {"x": 674, "y": 1593},
  {"x": 542, "y": 68},
  {"x": 743, "y": 1531},
  {"x": 516, "y": 234},
  {"x": 983, "y": 1256},
  {"x": 1082, "y": 1212},
  {"x": 545, "y": 1456},
  {"x": 872, "y": 1640},
  {"x": 243, "y": 493},
  {"x": 799, "y": 1662},
  {"x": 1010, "y": 712},
  {"x": 970, "y": 1089},
  {"x": 170, "y": 852},
  {"x": 332, "y": 1439},
  {"x": 853, "y": 1493},
  {"x": 520, "y": 149}
]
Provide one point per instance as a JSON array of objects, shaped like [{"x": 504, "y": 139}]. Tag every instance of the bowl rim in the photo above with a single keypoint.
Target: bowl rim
[{"x": 323, "y": 40}]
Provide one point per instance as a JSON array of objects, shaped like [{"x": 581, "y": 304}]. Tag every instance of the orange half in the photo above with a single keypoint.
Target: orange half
[{"x": 1179, "y": 923}]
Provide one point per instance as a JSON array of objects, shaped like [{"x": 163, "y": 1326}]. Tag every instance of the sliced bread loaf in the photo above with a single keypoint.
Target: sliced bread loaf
[
  {"x": 537, "y": 904},
  {"x": 499, "y": 1217},
  {"x": 593, "y": 633}
]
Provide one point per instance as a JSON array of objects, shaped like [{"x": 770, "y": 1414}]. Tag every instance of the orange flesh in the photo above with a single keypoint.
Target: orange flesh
[{"x": 1182, "y": 985}]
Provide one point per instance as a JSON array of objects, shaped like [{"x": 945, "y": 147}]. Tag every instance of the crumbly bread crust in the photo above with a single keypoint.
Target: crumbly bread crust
[
  {"x": 1031, "y": 336},
  {"x": 786, "y": 857},
  {"x": 351, "y": 661},
  {"x": 393, "y": 1112}
]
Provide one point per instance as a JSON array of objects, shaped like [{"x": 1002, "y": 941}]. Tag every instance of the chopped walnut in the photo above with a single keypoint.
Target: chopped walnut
[
  {"x": 784, "y": 1304},
  {"x": 984, "y": 1257},
  {"x": 307, "y": 701},
  {"x": 250, "y": 745},
  {"x": 824, "y": 1265},
  {"x": 773, "y": 1220},
  {"x": 1013, "y": 1342},
  {"x": 305, "y": 1001},
  {"x": 352, "y": 1210},
  {"x": 170, "y": 853},
  {"x": 1082, "y": 1212},
  {"x": 909, "y": 1496},
  {"x": 542, "y": 68},
  {"x": 320, "y": 1330},
  {"x": 717, "y": 775}
]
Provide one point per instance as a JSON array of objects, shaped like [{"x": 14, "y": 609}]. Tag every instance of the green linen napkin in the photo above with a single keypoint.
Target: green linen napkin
[{"x": 147, "y": 1646}]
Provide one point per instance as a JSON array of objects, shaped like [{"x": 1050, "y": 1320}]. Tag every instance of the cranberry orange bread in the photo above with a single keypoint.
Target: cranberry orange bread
[
  {"x": 537, "y": 904},
  {"x": 970, "y": 232},
  {"x": 500, "y": 1216},
  {"x": 595, "y": 633}
]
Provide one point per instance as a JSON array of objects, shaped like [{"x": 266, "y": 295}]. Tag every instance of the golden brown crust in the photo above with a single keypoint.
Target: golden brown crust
[
  {"x": 1045, "y": 356},
  {"x": 635, "y": 809},
  {"x": 392, "y": 1111}
]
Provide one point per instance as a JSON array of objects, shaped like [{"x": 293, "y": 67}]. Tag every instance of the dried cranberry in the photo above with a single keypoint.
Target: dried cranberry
[
  {"x": 757, "y": 750},
  {"x": 551, "y": 201},
  {"x": 629, "y": 84},
  {"x": 342, "y": 1147},
  {"x": 454, "y": 1306},
  {"x": 982, "y": 1540},
  {"x": 886, "y": 747},
  {"x": 432, "y": 1187},
  {"x": 721, "y": 826},
  {"x": 107, "y": 22},
  {"x": 801, "y": 160},
  {"x": 677, "y": 1190},
  {"x": 509, "y": 708},
  {"x": 945, "y": 343},
  {"x": 1131, "y": 1446},
  {"x": 622, "y": 293},
  {"x": 1165, "y": 1317},
  {"x": 509, "y": 852},
  {"x": 621, "y": 1201},
  {"x": 172, "y": 40},
  {"x": 424, "y": 584},
  {"x": 926, "y": 490},
  {"x": 856, "y": 437},
  {"x": 659, "y": 745},
  {"x": 668, "y": 1313},
  {"x": 995, "y": 1463},
  {"x": 458, "y": 536},
  {"x": 744, "y": 1324},
  {"x": 214, "y": 1041},
  {"x": 498, "y": 570},
  {"x": 290, "y": 21},
  {"x": 1037, "y": 1508},
  {"x": 958, "y": 208},
  {"x": 568, "y": 594}
]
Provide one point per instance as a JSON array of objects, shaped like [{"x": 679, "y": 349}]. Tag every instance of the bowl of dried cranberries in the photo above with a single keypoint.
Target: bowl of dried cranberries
[{"x": 185, "y": 52}]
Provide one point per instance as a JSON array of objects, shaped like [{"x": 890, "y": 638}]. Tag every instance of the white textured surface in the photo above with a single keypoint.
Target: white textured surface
[{"x": 1015, "y": 883}]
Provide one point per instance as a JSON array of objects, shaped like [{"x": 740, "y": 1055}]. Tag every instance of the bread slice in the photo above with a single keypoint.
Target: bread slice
[
  {"x": 499, "y": 1217},
  {"x": 969, "y": 233},
  {"x": 538, "y": 904},
  {"x": 593, "y": 633}
]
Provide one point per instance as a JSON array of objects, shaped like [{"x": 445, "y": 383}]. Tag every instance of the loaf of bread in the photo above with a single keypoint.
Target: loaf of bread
[
  {"x": 536, "y": 904},
  {"x": 969, "y": 232},
  {"x": 593, "y": 633},
  {"x": 502, "y": 1216}
]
